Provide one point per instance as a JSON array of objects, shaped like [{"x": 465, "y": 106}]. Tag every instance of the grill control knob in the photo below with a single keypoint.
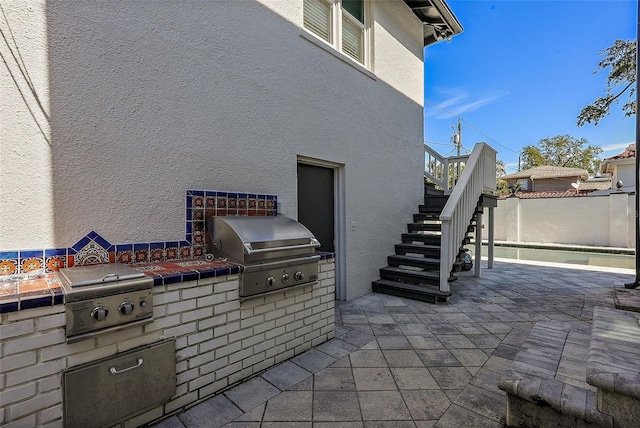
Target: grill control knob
[
  {"x": 285, "y": 278},
  {"x": 99, "y": 313},
  {"x": 125, "y": 308},
  {"x": 299, "y": 276},
  {"x": 271, "y": 281}
]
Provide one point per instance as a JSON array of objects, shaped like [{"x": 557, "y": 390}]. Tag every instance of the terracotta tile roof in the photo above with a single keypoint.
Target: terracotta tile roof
[
  {"x": 555, "y": 194},
  {"x": 547, "y": 171},
  {"x": 629, "y": 152}
]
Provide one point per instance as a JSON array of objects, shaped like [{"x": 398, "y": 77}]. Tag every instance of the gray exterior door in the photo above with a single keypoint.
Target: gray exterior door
[{"x": 316, "y": 203}]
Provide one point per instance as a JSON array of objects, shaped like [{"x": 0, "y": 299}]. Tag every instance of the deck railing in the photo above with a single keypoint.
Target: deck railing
[
  {"x": 477, "y": 177},
  {"x": 443, "y": 171}
]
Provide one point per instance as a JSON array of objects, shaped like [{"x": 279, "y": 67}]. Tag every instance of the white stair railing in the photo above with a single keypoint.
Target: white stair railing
[
  {"x": 443, "y": 171},
  {"x": 478, "y": 177}
]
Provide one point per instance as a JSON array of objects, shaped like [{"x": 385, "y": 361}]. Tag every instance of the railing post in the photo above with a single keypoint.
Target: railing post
[
  {"x": 447, "y": 186},
  {"x": 491, "y": 238},
  {"x": 478, "y": 255},
  {"x": 444, "y": 258}
]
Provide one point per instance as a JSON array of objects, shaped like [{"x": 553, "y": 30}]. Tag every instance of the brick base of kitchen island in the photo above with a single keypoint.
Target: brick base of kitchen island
[{"x": 220, "y": 341}]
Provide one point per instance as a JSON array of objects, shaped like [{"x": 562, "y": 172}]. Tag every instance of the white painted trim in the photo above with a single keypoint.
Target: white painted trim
[
  {"x": 340, "y": 218},
  {"x": 334, "y": 46},
  {"x": 305, "y": 34}
]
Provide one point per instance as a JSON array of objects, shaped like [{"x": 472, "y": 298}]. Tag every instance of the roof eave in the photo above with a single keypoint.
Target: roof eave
[
  {"x": 618, "y": 161},
  {"x": 439, "y": 22}
]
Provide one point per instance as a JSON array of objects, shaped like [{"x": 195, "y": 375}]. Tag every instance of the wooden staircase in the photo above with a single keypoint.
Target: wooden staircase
[{"x": 414, "y": 270}]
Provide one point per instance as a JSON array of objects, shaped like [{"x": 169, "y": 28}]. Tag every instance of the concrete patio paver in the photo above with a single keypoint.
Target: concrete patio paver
[{"x": 397, "y": 362}]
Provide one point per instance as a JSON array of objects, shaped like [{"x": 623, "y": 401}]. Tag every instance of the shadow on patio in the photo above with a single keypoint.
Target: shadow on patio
[{"x": 401, "y": 363}]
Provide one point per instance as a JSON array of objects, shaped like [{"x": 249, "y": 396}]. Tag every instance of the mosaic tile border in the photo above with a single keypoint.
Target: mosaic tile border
[
  {"x": 94, "y": 249},
  {"x": 203, "y": 204}
]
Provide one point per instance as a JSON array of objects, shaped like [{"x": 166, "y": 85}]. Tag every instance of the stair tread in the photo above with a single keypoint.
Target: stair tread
[
  {"x": 426, "y": 216},
  {"x": 434, "y": 226},
  {"x": 424, "y": 209},
  {"x": 426, "y": 263},
  {"x": 416, "y": 273},
  {"x": 415, "y": 258},
  {"x": 431, "y": 289},
  {"x": 420, "y": 246},
  {"x": 433, "y": 239}
]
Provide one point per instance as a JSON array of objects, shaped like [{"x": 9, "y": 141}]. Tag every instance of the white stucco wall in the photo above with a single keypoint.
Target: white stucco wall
[
  {"x": 149, "y": 99},
  {"x": 603, "y": 221},
  {"x": 633, "y": 222},
  {"x": 626, "y": 173},
  {"x": 26, "y": 182}
]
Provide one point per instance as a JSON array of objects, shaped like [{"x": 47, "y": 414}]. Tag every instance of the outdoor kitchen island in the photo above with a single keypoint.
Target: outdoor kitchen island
[{"x": 219, "y": 339}]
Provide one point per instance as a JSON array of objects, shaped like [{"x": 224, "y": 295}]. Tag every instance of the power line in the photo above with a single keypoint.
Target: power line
[
  {"x": 436, "y": 143},
  {"x": 472, "y": 127}
]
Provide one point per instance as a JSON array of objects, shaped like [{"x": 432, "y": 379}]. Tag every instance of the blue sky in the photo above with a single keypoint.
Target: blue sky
[{"x": 522, "y": 71}]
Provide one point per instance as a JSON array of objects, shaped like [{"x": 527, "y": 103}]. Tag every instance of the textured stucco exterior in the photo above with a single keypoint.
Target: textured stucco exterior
[
  {"x": 626, "y": 173},
  {"x": 142, "y": 100},
  {"x": 26, "y": 183}
]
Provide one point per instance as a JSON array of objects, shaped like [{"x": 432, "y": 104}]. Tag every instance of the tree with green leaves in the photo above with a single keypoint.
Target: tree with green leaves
[
  {"x": 562, "y": 150},
  {"x": 620, "y": 58},
  {"x": 501, "y": 185},
  {"x": 501, "y": 168}
]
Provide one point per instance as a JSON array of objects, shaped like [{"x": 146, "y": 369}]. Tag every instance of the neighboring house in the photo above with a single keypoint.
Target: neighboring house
[
  {"x": 112, "y": 110},
  {"x": 622, "y": 167},
  {"x": 545, "y": 178}
]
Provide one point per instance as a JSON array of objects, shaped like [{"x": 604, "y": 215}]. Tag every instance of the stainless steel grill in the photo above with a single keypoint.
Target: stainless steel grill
[
  {"x": 274, "y": 252},
  {"x": 105, "y": 297}
]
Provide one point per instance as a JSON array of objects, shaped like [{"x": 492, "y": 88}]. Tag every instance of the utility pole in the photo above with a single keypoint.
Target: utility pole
[
  {"x": 457, "y": 138},
  {"x": 636, "y": 283},
  {"x": 457, "y": 141}
]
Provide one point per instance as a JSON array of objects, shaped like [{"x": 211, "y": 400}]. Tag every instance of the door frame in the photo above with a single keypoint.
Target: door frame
[{"x": 339, "y": 219}]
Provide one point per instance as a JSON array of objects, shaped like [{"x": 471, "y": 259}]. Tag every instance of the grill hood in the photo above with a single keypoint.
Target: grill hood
[{"x": 249, "y": 239}]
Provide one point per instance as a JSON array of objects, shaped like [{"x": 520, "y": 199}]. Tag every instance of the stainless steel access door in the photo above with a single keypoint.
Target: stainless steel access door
[{"x": 104, "y": 392}]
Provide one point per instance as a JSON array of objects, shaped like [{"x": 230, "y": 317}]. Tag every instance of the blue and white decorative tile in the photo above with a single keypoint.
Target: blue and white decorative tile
[
  {"x": 90, "y": 250},
  {"x": 9, "y": 263},
  {"x": 31, "y": 260},
  {"x": 55, "y": 259}
]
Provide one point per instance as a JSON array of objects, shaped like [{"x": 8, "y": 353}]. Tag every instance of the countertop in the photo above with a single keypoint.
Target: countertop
[{"x": 45, "y": 290}]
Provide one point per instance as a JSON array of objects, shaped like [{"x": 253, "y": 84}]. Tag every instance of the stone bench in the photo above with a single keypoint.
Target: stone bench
[
  {"x": 614, "y": 364},
  {"x": 545, "y": 383},
  {"x": 564, "y": 376}
]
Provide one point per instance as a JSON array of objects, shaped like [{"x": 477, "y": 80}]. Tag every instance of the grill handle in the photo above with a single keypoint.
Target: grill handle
[
  {"x": 113, "y": 370},
  {"x": 281, "y": 263},
  {"x": 249, "y": 249}
]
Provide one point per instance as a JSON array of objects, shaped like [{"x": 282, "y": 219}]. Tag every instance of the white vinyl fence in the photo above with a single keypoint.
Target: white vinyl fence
[{"x": 602, "y": 221}]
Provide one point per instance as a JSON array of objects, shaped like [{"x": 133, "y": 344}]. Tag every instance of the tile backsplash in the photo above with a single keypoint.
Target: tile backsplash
[{"x": 95, "y": 249}]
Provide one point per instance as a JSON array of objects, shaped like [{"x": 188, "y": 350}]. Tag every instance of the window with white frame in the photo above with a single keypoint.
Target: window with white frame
[{"x": 341, "y": 23}]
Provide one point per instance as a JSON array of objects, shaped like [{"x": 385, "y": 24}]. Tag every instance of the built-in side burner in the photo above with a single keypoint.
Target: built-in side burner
[{"x": 106, "y": 297}]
